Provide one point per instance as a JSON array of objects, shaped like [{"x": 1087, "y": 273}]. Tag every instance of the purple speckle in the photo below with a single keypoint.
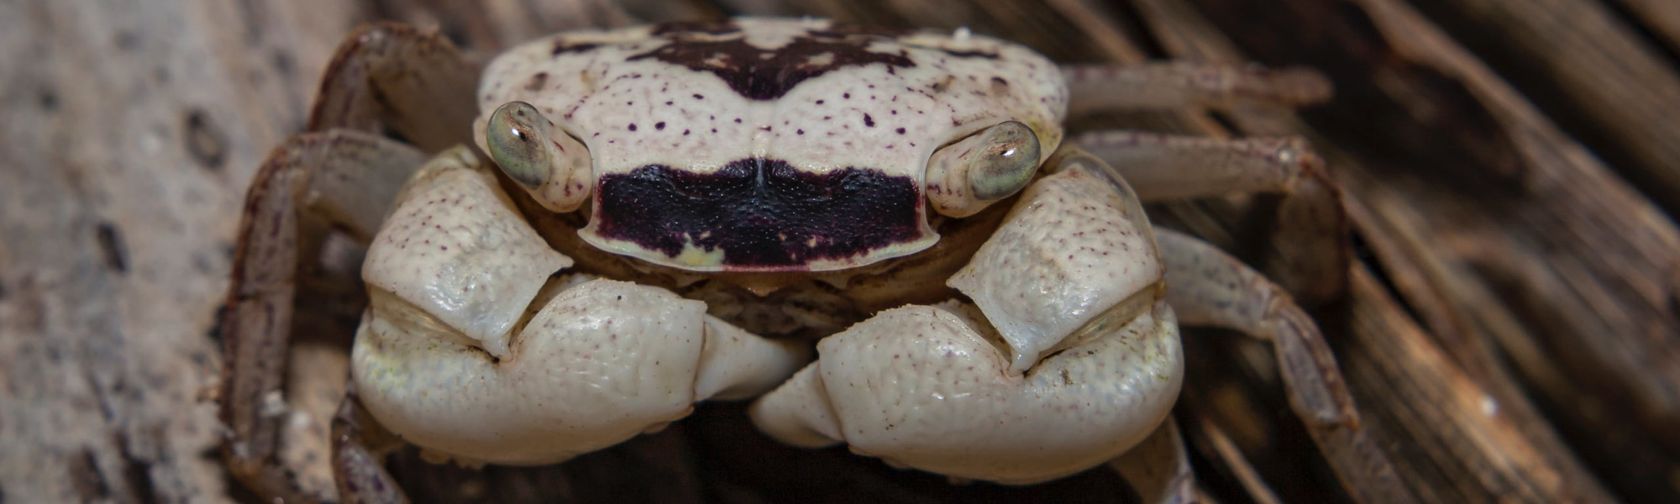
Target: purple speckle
[
  {"x": 659, "y": 125},
  {"x": 632, "y": 126},
  {"x": 868, "y": 121}
]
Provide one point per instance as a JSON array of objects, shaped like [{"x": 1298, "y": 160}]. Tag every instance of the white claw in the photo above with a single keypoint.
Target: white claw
[
  {"x": 922, "y": 387},
  {"x": 470, "y": 349},
  {"x": 1068, "y": 358},
  {"x": 456, "y": 249},
  {"x": 735, "y": 364},
  {"x": 1071, "y": 249}
]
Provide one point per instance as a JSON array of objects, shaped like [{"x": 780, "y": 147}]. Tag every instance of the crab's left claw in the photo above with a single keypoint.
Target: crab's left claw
[{"x": 1069, "y": 356}]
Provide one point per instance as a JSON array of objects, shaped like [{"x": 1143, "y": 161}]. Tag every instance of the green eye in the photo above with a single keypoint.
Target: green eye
[
  {"x": 518, "y": 139},
  {"x": 1007, "y": 162}
]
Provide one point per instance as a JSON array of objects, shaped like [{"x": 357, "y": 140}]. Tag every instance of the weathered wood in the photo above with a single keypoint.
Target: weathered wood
[
  {"x": 1527, "y": 251},
  {"x": 129, "y": 133},
  {"x": 1583, "y": 64},
  {"x": 1662, "y": 18},
  {"x": 1546, "y": 468}
]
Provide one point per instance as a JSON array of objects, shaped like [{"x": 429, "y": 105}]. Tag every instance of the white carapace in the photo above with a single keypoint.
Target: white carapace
[{"x": 836, "y": 121}]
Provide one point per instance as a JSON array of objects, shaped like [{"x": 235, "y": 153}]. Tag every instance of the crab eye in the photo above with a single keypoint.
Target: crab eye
[
  {"x": 968, "y": 175},
  {"x": 517, "y": 141},
  {"x": 551, "y": 165}
]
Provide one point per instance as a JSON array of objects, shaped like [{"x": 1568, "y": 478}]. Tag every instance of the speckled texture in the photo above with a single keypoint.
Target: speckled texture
[
  {"x": 1067, "y": 252},
  {"x": 600, "y": 363},
  {"x": 927, "y": 387},
  {"x": 818, "y": 97},
  {"x": 440, "y": 360},
  {"x": 455, "y": 247}
]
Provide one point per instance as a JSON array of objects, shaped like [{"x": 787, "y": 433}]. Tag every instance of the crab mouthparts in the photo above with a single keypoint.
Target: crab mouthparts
[{"x": 758, "y": 214}]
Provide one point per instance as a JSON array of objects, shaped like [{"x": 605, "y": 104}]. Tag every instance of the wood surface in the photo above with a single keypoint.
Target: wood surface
[{"x": 1511, "y": 328}]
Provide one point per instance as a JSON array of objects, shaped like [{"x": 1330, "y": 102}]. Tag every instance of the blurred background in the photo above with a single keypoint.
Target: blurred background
[{"x": 1509, "y": 168}]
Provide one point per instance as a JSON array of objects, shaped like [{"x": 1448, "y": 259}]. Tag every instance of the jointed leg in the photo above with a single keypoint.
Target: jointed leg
[
  {"x": 358, "y": 443},
  {"x": 397, "y": 78},
  {"x": 1159, "y": 468},
  {"x": 1311, "y": 255},
  {"x": 386, "y": 78},
  {"x": 1164, "y": 167},
  {"x": 1178, "y": 85},
  {"x": 1310, "y": 252},
  {"x": 342, "y": 177},
  {"x": 1207, "y": 287}
]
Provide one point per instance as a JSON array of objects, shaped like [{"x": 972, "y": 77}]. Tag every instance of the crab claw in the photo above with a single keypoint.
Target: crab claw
[
  {"x": 925, "y": 387},
  {"x": 551, "y": 165},
  {"x": 1068, "y": 357},
  {"x": 966, "y": 176},
  {"x": 473, "y": 348},
  {"x": 1075, "y": 246}
]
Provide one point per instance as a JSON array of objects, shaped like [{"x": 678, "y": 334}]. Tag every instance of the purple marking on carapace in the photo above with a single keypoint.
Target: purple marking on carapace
[
  {"x": 762, "y": 213},
  {"x": 766, "y": 74},
  {"x": 970, "y": 54},
  {"x": 563, "y": 47}
]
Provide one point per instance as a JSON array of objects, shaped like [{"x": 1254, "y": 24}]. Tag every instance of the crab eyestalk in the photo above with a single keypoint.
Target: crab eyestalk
[
  {"x": 551, "y": 165},
  {"x": 965, "y": 177}
]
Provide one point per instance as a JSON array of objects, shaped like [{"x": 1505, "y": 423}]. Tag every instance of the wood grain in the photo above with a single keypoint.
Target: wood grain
[{"x": 1584, "y": 64}]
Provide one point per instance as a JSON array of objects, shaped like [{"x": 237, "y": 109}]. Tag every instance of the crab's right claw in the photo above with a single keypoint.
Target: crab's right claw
[
  {"x": 1068, "y": 358},
  {"x": 471, "y": 348}
]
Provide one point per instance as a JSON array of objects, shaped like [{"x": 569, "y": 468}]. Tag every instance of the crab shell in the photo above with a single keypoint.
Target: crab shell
[
  {"x": 770, "y": 145},
  {"x": 779, "y": 145}
]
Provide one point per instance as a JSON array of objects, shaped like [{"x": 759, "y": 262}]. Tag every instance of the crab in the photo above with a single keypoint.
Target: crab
[{"x": 882, "y": 238}]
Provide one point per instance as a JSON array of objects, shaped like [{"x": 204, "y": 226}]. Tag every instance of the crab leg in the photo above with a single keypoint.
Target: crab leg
[
  {"x": 1166, "y": 167},
  {"x": 1210, "y": 288},
  {"x": 356, "y": 460},
  {"x": 394, "y": 77},
  {"x": 1178, "y": 85},
  {"x": 388, "y": 78},
  {"x": 1159, "y": 468},
  {"x": 1310, "y": 223},
  {"x": 343, "y": 177}
]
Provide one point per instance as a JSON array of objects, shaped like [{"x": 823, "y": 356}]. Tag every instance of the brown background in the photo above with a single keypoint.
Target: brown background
[{"x": 1511, "y": 329}]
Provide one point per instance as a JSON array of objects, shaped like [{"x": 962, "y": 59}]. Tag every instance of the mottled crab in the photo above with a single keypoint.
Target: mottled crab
[{"x": 609, "y": 226}]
